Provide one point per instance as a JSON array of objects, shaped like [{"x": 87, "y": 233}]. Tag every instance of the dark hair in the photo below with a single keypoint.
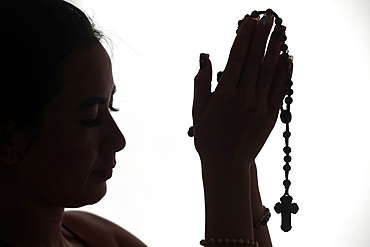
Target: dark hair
[{"x": 35, "y": 36}]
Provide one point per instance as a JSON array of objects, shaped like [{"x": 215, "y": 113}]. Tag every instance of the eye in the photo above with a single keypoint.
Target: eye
[{"x": 96, "y": 121}]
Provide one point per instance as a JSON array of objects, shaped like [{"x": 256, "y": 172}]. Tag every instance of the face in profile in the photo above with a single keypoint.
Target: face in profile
[{"x": 72, "y": 157}]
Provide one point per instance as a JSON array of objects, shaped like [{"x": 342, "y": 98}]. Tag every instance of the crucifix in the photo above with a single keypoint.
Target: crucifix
[{"x": 286, "y": 208}]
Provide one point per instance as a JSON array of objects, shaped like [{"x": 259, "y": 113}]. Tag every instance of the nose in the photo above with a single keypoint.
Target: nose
[{"x": 114, "y": 141}]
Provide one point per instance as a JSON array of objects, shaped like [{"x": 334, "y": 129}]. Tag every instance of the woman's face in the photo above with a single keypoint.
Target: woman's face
[{"x": 73, "y": 156}]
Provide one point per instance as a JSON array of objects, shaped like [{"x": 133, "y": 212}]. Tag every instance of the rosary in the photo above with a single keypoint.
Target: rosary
[{"x": 285, "y": 207}]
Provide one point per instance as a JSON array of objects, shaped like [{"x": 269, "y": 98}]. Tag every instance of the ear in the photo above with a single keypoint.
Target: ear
[{"x": 8, "y": 150}]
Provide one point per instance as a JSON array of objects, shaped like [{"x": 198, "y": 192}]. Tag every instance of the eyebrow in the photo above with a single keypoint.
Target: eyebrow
[{"x": 91, "y": 102}]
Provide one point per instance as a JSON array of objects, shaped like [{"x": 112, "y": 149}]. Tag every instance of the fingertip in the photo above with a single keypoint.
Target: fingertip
[
  {"x": 248, "y": 22},
  {"x": 203, "y": 60},
  {"x": 205, "y": 68}
]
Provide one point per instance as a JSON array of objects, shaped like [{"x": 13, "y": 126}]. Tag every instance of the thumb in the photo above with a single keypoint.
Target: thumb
[{"x": 202, "y": 87}]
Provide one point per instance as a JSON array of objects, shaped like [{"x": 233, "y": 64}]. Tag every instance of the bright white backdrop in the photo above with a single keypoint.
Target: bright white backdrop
[{"x": 156, "y": 191}]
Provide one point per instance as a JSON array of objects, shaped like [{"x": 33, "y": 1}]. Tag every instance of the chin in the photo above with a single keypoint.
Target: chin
[{"x": 89, "y": 197}]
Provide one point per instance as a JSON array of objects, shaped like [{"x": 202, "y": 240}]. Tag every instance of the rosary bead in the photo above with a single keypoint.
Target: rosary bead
[
  {"x": 286, "y": 168},
  {"x": 283, "y": 38},
  {"x": 285, "y": 116},
  {"x": 287, "y": 158},
  {"x": 284, "y": 47},
  {"x": 288, "y": 83},
  {"x": 255, "y": 14},
  {"x": 288, "y": 100},
  {"x": 278, "y": 21},
  {"x": 269, "y": 12},
  {"x": 289, "y": 92},
  {"x": 286, "y": 134},
  {"x": 191, "y": 131},
  {"x": 287, "y": 183},
  {"x": 287, "y": 150}
]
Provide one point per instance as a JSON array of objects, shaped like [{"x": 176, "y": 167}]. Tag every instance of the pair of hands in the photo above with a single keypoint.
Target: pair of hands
[{"x": 232, "y": 124}]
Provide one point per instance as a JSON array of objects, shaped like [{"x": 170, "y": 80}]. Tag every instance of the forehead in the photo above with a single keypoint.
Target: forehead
[{"x": 86, "y": 72}]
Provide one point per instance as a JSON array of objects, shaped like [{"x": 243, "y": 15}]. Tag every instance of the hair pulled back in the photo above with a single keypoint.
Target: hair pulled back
[{"x": 35, "y": 36}]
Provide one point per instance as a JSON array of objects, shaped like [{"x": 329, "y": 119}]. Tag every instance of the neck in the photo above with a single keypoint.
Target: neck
[{"x": 28, "y": 221}]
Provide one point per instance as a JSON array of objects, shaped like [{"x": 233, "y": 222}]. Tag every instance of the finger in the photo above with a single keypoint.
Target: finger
[
  {"x": 279, "y": 88},
  {"x": 247, "y": 83},
  {"x": 238, "y": 52},
  {"x": 268, "y": 67},
  {"x": 202, "y": 86}
]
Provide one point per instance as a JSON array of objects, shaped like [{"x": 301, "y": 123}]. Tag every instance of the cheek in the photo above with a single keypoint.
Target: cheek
[
  {"x": 75, "y": 154},
  {"x": 68, "y": 149},
  {"x": 58, "y": 170}
]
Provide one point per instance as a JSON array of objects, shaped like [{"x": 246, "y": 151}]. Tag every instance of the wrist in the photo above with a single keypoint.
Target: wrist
[{"x": 228, "y": 204}]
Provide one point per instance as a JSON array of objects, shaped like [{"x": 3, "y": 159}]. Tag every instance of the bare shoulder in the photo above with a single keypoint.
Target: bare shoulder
[{"x": 98, "y": 231}]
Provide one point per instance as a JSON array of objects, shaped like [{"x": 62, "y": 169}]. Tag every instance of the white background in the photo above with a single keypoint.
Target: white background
[{"x": 156, "y": 191}]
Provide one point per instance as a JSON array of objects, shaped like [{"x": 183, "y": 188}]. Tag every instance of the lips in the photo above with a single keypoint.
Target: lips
[{"x": 104, "y": 173}]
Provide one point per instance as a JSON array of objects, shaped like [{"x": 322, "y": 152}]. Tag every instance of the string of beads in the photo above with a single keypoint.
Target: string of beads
[
  {"x": 265, "y": 218},
  {"x": 237, "y": 241}
]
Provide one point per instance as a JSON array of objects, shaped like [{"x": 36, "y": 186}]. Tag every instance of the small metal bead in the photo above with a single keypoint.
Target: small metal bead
[
  {"x": 278, "y": 21},
  {"x": 234, "y": 241},
  {"x": 287, "y": 158},
  {"x": 287, "y": 150},
  {"x": 288, "y": 100},
  {"x": 287, "y": 183},
  {"x": 241, "y": 241},
  {"x": 287, "y": 168},
  {"x": 285, "y": 116},
  {"x": 219, "y": 240},
  {"x": 227, "y": 241},
  {"x": 286, "y": 134}
]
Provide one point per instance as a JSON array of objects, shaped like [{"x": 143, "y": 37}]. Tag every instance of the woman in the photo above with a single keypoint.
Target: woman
[{"x": 58, "y": 140}]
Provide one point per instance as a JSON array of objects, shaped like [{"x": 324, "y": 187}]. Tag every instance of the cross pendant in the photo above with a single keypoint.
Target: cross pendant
[{"x": 286, "y": 208}]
